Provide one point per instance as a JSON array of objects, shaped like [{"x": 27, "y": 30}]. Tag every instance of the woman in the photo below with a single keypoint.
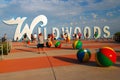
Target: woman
[{"x": 40, "y": 43}]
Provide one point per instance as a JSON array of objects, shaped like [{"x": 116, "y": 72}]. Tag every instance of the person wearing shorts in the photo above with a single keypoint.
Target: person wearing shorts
[{"x": 40, "y": 44}]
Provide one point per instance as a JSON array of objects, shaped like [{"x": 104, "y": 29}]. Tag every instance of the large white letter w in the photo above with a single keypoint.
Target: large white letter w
[{"x": 28, "y": 30}]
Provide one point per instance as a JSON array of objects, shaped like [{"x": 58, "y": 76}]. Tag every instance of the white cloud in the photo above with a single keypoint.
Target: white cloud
[
  {"x": 94, "y": 15},
  {"x": 71, "y": 10},
  {"x": 103, "y": 20},
  {"x": 109, "y": 13},
  {"x": 3, "y": 5},
  {"x": 60, "y": 7},
  {"x": 119, "y": 10}
]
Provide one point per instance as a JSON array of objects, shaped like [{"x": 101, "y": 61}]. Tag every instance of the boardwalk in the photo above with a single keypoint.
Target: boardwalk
[{"x": 57, "y": 64}]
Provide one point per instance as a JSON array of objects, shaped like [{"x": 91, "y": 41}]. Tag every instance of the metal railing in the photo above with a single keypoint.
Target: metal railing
[
  {"x": 8, "y": 46},
  {"x": 1, "y": 49}
]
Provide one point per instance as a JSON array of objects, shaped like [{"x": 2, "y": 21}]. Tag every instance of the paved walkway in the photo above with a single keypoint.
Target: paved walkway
[{"x": 57, "y": 64}]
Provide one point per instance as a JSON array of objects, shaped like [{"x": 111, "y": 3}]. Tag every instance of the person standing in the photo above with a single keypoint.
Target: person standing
[
  {"x": 32, "y": 38},
  {"x": 49, "y": 42},
  {"x": 49, "y": 38},
  {"x": 87, "y": 35},
  {"x": 96, "y": 36},
  {"x": 79, "y": 35},
  {"x": 66, "y": 38},
  {"x": 53, "y": 38},
  {"x": 73, "y": 36},
  {"x": 76, "y": 36},
  {"x": 40, "y": 43},
  {"x": 35, "y": 38},
  {"x": 4, "y": 38},
  {"x": 25, "y": 37}
]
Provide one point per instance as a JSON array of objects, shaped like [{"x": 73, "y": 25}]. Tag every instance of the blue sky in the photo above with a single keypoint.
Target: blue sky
[{"x": 62, "y": 13}]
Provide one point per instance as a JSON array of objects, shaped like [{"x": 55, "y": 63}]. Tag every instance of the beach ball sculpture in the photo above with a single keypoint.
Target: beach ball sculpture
[
  {"x": 68, "y": 39},
  {"x": 105, "y": 56},
  {"x": 49, "y": 44},
  {"x": 83, "y": 55},
  {"x": 77, "y": 44},
  {"x": 58, "y": 44}
]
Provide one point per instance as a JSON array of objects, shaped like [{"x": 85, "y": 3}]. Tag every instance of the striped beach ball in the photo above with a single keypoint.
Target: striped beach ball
[
  {"x": 83, "y": 55},
  {"x": 49, "y": 44},
  {"x": 77, "y": 44},
  {"x": 68, "y": 39},
  {"x": 58, "y": 44},
  {"x": 105, "y": 56}
]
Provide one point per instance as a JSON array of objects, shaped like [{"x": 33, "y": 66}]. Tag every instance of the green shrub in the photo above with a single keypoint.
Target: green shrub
[
  {"x": 117, "y": 33},
  {"x": 5, "y": 51},
  {"x": 117, "y": 36}
]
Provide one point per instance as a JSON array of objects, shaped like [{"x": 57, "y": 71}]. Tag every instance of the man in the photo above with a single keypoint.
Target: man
[{"x": 40, "y": 43}]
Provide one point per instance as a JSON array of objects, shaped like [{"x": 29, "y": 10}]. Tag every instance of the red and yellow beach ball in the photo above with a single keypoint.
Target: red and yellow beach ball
[{"x": 105, "y": 56}]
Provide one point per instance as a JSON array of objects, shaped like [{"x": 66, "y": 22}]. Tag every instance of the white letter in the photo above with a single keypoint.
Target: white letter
[
  {"x": 45, "y": 34},
  {"x": 107, "y": 33},
  {"x": 63, "y": 31},
  {"x": 96, "y": 28},
  {"x": 77, "y": 29},
  {"x": 87, "y": 29},
  {"x": 56, "y": 30},
  {"x": 39, "y": 30},
  {"x": 28, "y": 30}
]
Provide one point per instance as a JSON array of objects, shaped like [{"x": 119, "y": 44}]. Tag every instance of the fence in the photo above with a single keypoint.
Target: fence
[
  {"x": 2, "y": 46},
  {"x": 1, "y": 49}
]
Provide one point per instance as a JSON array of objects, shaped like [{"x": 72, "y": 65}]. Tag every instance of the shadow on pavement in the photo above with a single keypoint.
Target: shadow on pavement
[
  {"x": 66, "y": 59},
  {"x": 25, "y": 50},
  {"x": 75, "y": 61}
]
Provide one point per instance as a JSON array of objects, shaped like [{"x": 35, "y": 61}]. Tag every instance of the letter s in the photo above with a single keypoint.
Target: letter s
[{"x": 107, "y": 33}]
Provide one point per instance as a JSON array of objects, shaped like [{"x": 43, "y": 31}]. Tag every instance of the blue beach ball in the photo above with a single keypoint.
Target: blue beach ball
[{"x": 83, "y": 55}]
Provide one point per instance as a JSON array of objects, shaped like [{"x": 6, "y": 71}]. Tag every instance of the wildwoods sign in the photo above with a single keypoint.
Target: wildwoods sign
[{"x": 42, "y": 21}]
